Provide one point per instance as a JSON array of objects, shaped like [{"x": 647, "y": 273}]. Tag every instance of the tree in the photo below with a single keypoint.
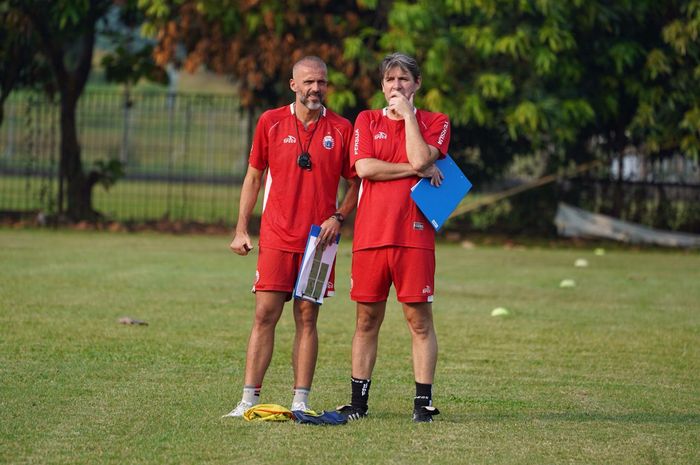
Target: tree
[
  {"x": 257, "y": 42},
  {"x": 566, "y": 80},
  {"x": 63, "y": 33},
  {"x": 558, "y": 78}
]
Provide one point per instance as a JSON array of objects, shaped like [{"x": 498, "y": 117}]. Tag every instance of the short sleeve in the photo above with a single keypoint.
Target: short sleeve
[
  {"x": 348, "y": 166},
  {"x": 438, "y": 133},
  {"x": 362, "y": 139},
  {"x": 259, "y": 153}
]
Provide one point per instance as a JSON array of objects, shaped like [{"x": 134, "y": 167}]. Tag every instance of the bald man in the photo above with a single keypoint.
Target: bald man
[{"x": 304, "y": 149}]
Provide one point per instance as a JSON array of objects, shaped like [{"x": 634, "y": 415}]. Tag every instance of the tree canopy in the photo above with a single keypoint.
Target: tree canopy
[
  {"x": 20, "y": 64},
  {"x": 52, "y": 43},
  {"x": 257, "y": 42},
  {"x": 564, "y": 79},
  {"x": 558, "y": 77}
]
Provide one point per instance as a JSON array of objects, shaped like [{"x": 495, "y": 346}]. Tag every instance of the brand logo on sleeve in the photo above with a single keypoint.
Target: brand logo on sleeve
[
  {"x": 290, "y": 139},
  {"x": 357, "y": 141},
  {"x": 445, "y": 127},
  {"x": 380, "y": 135},
  {"x": 328, "y": 142},
  {"x": 418, "y": 226}
]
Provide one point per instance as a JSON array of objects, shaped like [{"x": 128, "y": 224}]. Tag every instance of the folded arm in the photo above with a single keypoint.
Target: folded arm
[
  {"x": 420, "y": 155},
  {"x": 379, "y": 170}
]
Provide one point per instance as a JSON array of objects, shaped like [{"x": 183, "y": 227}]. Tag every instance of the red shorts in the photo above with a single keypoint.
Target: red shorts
[
  {"x": 278, "y": 271},
  {"x": 411, "y": 270}
]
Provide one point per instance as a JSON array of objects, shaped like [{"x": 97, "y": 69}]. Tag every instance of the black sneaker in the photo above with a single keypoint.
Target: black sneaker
[
  {"x": 351, "y": 413},
  {"x": 424, "y": 414}
]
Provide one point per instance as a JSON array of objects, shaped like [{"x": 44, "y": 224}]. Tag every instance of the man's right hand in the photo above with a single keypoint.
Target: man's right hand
[{"x": 241, "y": 244}]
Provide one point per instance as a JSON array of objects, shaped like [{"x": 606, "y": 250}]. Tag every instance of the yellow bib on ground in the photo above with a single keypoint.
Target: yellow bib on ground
[{"x": 268, "y": 412}]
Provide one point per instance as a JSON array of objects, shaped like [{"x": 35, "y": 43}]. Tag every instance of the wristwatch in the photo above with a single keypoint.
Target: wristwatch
[{"x": 338, "y": 217}]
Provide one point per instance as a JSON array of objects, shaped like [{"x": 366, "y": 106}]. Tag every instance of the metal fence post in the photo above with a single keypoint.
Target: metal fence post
[
  {"x": 171, "y": 140},
  {"x": 124, "y": 152}
]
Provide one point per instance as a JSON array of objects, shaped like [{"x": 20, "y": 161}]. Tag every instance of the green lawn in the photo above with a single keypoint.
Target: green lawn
[
  {"x": 134, "y": 200},
  {"x": 606, "y": 372}
]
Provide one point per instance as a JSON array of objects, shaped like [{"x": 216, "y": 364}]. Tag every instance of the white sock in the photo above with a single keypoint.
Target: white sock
[
  {"x": 301, "y": 395},
  {"x": 251, "y": 394}
]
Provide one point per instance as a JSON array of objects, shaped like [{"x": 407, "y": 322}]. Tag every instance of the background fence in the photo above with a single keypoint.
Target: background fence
[{"x": 184, "y": 155}]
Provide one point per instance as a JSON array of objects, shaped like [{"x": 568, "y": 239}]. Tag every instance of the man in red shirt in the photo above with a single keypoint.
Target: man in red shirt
[
  {"x": 393, "y": 242},
  {"x": 304, "y": 148}
]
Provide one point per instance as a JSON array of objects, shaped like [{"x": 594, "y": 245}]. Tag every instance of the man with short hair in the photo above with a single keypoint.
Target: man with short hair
[
  {"x": 393, "y": 241},
  {"x": 304, "y": 147}
]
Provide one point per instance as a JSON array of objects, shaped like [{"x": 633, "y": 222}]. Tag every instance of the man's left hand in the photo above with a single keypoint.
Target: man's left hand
[
  {"x": 434, "y": 173},
  {"x": 329, "y": 231}
]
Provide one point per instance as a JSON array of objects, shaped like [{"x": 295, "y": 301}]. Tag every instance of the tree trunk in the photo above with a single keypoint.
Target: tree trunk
[
  {"x": 70, "y": 58},
  {"x": 78, "y": 203}
]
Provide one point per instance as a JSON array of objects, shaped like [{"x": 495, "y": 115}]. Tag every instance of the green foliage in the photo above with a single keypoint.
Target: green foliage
[
  {"x": 495, "y": 86},
  {"x": 69, "y": 13},
  {"x": 109, "y": 172},
  {"x": 128, "y": 67},
  {"x": 157, "y": 9},
  {"x": 130, "y": 57},
  {"x": 551, "y": 75},
  {"x": 487, "y": 218},
  {"x": 624, "y": 55},
  {"x": 63, "y": 34},
  {"x": 343, "y": 98},
  {"x": 515, "y": 76},
  {"x": 21, "y": 64}
]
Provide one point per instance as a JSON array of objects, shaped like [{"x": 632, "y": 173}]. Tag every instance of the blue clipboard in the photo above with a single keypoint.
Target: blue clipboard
[{"x": 438, "y": 203}]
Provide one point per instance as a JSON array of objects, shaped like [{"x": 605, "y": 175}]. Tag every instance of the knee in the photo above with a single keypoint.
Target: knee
[
  {"x": 266, "y": 318},
  {"x": 367, "y": 323},
  {"x": 306, "y": 320},
  {"x": 421, "y": 327},
  {"x": 306, "y": 316}
]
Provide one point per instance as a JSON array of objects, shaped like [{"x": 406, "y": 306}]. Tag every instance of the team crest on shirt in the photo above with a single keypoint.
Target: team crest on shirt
[
  {"x": 328, "y": 142},
  {"x": 380, "y": 135},
  {"x": 290, "y": 139}
]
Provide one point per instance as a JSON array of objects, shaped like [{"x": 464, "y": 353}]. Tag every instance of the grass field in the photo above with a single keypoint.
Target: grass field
[
  {"x": 134, "y": 200},
  {"x": 607, "y": 372}
]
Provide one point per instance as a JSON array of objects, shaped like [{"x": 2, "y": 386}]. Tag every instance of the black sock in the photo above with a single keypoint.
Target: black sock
[
  {"x": 360, "y": 392},
  {"x": 424, "y": 395}
]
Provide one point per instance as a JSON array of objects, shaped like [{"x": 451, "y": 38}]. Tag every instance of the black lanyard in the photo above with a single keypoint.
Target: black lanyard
[{"x": 304, "y": 158}]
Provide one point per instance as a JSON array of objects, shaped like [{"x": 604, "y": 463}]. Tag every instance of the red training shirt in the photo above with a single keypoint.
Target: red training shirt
[
  {"x": 296, "y": 198},
  {"x": 386, "y": 214}
]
